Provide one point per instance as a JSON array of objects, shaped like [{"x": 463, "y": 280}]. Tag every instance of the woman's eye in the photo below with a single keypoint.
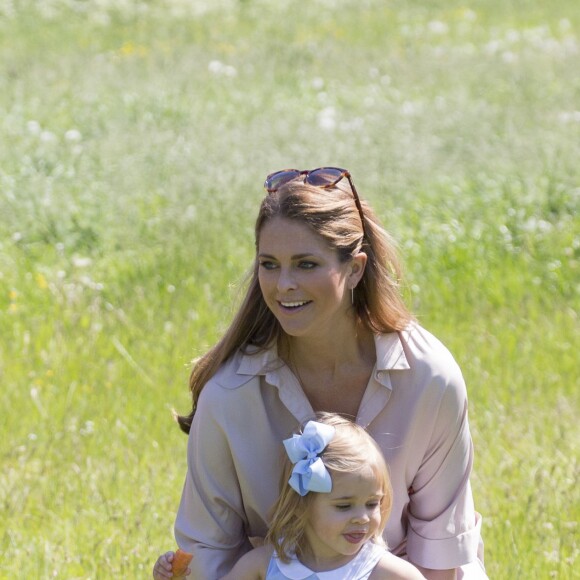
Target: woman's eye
[
  {"x": 267, "y": 265},
  {"x": 306, "y": 265}
]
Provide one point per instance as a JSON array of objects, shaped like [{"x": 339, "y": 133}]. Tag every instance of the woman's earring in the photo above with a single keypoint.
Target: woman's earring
[{"x": 352, "y": 296}]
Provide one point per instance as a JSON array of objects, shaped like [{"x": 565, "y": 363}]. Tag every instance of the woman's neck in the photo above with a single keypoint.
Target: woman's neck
[{"x": 351, "y": 348}]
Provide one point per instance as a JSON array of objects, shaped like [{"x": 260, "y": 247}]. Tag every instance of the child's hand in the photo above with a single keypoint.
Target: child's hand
[
  {"x": 162, "y": 568},
  {"x": 164, "y": 565}
]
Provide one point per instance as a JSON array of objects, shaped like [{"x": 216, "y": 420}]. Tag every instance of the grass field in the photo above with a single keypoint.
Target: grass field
[{"x": 135, "y": 137}]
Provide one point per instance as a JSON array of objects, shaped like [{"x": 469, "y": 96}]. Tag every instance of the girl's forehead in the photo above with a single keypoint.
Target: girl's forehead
[{"x": 363, "y": 481}]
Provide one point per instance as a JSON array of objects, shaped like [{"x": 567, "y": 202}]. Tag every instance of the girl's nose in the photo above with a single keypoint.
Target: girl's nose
[{"x": 361, "y": 517}]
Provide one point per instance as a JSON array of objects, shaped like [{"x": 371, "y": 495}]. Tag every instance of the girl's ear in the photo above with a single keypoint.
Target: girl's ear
[{"x": 357, "y": 269}]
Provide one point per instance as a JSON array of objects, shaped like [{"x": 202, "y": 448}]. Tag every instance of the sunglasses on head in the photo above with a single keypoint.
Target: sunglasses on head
[{"x": 324, "y": 177}]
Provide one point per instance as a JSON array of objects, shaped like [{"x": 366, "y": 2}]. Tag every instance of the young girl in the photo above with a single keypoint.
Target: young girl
[{"x": 334, "y": 502}]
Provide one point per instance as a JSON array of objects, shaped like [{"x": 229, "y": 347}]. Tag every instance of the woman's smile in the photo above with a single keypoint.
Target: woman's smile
[
  {"x": 289, "y": 309},
  {"x": 294, "y": 305}
]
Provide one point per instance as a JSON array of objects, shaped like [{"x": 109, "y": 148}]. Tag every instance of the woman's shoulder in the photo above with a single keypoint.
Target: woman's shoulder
[
  {"x": 241, "y": 370},
  {"x": 231, "y": 374},
  {"x": 425, "y": 351},
  {"x": 227, "y": 375},
  {"x": 390, "y": 567},
  {"x": 422, "y": 342},
  {"x": 426, "y": 365}
]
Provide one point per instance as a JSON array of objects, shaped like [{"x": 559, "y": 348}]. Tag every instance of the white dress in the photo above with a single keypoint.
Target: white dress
[{"x": 359, "y": 568}]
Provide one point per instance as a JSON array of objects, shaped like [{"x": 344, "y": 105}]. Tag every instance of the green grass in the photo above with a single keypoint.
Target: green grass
[{"x": 135, "y": 139}]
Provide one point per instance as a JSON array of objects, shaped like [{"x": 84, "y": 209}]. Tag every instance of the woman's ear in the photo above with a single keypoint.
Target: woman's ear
[{"x": 357, "y": 269}]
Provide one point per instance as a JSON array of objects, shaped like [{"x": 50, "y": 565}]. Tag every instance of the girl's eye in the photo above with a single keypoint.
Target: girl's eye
[
  {"x": 342, "y": 507},
  {"x": 373, "y": 504}
]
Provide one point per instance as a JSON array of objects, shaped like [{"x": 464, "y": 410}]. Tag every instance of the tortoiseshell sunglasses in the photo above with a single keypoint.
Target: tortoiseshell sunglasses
[{"x": 324, "y": 177}]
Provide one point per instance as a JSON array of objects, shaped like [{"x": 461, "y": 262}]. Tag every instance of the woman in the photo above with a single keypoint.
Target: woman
[{"x": 323, "y": 328}]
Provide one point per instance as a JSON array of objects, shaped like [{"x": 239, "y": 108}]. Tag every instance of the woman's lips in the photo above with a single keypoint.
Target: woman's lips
[{"x": 294, "y": 305}]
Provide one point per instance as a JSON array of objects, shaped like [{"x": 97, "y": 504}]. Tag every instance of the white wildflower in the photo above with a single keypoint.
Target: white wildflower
[
  {"x": 512, "y": 36},
  {"x": 81, "y": 262},
  {"x": 438, "y": 27},
  {"x": 217, "y": 67},
  {"x": 509, "y": 57},
  {"x": 73, "y": 135},
  {"x": 565, "y": 25},
  {"x": 469, "y": 15},
  {"x": 409, "y": 108},
  {"x": 88, "y": 429},
  {"x": 327, "y": 118},
  {"x": 47, "y": 137},
  {"x": 34, "y": 127},
  {"x": 317, "y": 83},
  {"x": 569, "y": 117},
  {"x": 548, "y": 525}
]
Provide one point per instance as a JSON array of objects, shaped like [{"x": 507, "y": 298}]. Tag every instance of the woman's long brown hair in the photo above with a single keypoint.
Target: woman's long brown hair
[{"x": 333, "y": 215}]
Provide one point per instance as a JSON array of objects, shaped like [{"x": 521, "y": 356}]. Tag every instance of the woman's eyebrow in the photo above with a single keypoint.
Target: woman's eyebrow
[{"x": 294, "y": 257}]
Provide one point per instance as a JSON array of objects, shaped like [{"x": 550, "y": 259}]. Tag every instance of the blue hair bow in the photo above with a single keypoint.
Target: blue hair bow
[{"x": 309, "y": 473}]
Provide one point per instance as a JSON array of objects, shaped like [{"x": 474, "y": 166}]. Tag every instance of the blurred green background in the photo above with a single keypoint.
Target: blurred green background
[{"x": 135, "y": 138}]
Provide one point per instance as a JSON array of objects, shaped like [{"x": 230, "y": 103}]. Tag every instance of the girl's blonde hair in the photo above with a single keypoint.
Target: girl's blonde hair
[
  {"x": 333, "y": 215},
  {"x": 350, "y": 450}
]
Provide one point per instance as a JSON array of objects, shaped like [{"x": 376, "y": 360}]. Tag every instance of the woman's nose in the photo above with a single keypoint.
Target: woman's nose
[{"x": 286, "y": 280}]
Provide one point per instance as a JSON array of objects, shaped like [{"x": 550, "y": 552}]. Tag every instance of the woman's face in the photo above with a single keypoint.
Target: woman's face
[{"x": 302, "y": 280}]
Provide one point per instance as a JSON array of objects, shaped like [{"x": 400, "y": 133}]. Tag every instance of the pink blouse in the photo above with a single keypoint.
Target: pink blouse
[{"x": 415, "y": 407}]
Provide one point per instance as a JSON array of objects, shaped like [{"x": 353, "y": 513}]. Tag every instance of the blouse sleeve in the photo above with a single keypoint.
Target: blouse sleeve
[
  {"x": 443, "y": 532},
  {"x": 210, "y": 521}
]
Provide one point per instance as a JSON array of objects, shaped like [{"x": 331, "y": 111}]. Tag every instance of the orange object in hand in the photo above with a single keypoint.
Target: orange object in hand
[{"x": 181, "y": 561}]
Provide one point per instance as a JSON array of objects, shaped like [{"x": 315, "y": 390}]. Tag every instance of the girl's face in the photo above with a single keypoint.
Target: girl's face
[
  {"x": 302, "y": 280},
  {"x": 341, "y": 521}
]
